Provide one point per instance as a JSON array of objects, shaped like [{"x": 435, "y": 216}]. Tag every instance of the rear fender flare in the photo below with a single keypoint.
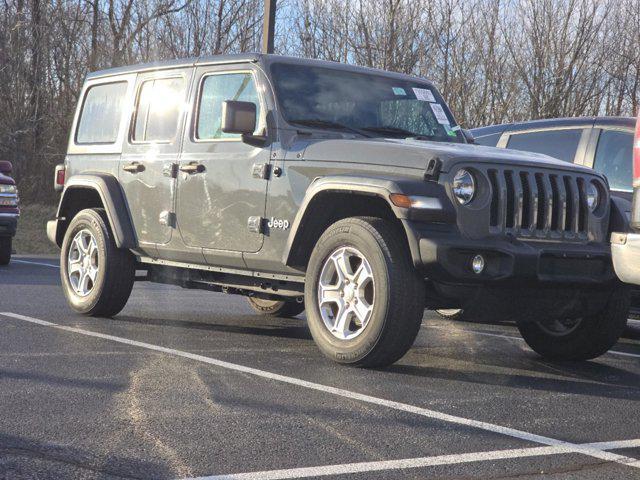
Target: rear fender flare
[{"x": 113, "y": 201}]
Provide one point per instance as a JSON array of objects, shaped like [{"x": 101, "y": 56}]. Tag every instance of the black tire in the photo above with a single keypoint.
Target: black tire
[
  {"x": 398, "y": 308},
  {"x": 591, "y": 337},
  {"x": 5, "y": 250},
  {"x": 116, "y": 268},
  {"x": 276, "y": 308}
]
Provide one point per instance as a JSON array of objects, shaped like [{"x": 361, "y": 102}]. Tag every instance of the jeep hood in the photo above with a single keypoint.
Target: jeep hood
[{"x": 415, "y": 154}]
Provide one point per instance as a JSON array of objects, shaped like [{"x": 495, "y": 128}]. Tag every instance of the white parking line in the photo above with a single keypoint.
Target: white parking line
[
  {"x": 511, "y": 337},
  {"x": 424, "y": 412},
  {"x": 325, "y": 470},
  {"x": 35, "y": 263}
]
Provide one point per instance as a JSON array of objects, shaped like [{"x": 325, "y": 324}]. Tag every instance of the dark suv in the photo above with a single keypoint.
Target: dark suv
[
  {"x": 9, "y": 212},
  {"x": 346, "y": 191},
  {"x": 602, "y": 143}
]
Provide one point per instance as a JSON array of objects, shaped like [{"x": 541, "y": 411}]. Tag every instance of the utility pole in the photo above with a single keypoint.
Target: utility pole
[{"x": 269, "y": 26}]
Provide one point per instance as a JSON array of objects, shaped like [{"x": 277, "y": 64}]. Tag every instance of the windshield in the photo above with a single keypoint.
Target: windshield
[{"x": 362, "y": 103}]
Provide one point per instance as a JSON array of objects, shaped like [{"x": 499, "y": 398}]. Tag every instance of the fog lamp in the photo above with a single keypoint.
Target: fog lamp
[{"x": 477, "y": 264}]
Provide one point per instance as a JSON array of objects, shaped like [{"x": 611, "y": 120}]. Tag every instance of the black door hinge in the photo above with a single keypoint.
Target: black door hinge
[
  {"x": 261, "y": 170},
  {"x": 255, "y": 224}
]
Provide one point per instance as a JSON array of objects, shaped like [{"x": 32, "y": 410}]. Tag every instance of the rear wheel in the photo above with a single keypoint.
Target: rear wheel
[
  {"x": 97, "y": 277},
  {"x": 581, "y": 338},
  {"x": 364, "y": 299},
  {"x": 5, "y": 250},
  {"x": 276, "y": 308}
]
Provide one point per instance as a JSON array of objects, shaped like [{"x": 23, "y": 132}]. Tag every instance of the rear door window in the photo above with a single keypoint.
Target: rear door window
[
  {"x": 158, "y": 110},
  {"x": 101, "y": 113},
  {"x": 614, "y": 158},
  {"x": 561, "y": 144}
]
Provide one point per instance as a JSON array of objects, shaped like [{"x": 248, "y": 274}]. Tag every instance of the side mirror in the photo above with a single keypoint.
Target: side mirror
[
  {"x": 468, "y": 136},
  {"x": 239, "y": 117},
  {"x": 5, "y": 167}
]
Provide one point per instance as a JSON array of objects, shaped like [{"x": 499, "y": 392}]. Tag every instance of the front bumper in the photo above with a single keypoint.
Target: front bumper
[
  {"x": 8, "y": 224},
  {"x": 625, "y": 251},
  {"x": 445, "y": 256}
]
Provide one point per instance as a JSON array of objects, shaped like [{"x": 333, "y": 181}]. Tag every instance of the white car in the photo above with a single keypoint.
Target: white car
[{"x": 625, "y": 246}]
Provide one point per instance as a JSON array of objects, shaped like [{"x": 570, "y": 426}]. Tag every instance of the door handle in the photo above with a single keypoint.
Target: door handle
[
  {"x": 192, "y": 168},
  {"x": 134, "y": 167}
]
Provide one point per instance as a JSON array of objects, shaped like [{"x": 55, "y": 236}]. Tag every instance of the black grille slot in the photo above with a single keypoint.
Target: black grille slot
[
  {"x": 511, "y": 199},
  {"x": 570, "y": 207},
  {"x": 527, "y": 201},
  {"x": 583, "y": 210},
  {"x": 493, "y": 178},
  {"x": 555, "y": 211},
  {"x": 542, "y": 195}
]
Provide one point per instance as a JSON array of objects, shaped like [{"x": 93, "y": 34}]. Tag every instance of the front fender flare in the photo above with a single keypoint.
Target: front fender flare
[{"x": 378, "y": 187}]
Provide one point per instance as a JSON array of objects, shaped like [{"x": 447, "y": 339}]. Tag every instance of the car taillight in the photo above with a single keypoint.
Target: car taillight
[
  {"x": 636, "y": 153},
  {"x": 61, "y": 172}
]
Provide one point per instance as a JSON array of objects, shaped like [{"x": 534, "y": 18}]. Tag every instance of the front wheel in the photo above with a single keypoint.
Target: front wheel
[
  {"x": 97, "y": 277},
  {"x": 364, "y": 299},
  {"x": 581, "y": 338},
  {"x": 5, "y": 250},
  {"x": 276, "y": 308}
]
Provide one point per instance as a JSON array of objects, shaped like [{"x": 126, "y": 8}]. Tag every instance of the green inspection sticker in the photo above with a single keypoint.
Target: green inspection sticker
[
  {"x": 450, "y": 131},
  {"x": 399, "y": 91}
]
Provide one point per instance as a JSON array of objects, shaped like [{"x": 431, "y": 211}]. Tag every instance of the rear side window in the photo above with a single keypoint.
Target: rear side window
[
  {"x": 158, "y": 110},
  {"x": 614, "y": 158},
  {"x": 217, "y": 89},
  {"x": 561, "y": 144},
  {"x": 101, "y": 113}
]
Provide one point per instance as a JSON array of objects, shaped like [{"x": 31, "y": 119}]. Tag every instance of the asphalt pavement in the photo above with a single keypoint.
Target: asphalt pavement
[{"x": 186, "y": 384}]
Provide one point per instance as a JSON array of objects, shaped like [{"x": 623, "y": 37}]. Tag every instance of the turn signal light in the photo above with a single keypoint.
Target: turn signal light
[
  {"x": 400, "y": 200},
  {"x": 416, "y": 202}
]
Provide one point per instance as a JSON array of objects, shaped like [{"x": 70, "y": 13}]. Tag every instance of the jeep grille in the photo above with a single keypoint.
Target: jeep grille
[{"x": 538, "y": 203}]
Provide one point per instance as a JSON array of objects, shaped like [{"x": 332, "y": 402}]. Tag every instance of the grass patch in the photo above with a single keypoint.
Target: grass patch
[{"x": 31, "y": 237}]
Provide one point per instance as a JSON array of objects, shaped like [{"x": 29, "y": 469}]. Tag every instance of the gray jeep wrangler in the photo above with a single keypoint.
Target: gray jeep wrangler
[{"x": 349, "y": 192}]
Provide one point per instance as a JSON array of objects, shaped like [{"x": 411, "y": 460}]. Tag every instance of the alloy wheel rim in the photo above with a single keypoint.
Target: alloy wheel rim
[
  {"x": 560, "y": 327},
  {"x": 82, "y": 263},
  {"x": 346, "y": 293}
]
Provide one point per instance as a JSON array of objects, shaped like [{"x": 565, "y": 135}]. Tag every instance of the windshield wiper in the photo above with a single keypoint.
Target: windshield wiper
[
  {"x": 318, "y": 123},
  {"x": 394, "y": 131}
]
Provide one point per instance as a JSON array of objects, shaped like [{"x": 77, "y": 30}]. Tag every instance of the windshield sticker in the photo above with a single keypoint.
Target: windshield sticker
[
  {"x": 424, "y": 94},
  {"x": 438, "y": 111},
  {"x": 450, "y": 131},
  {"x": 399, "y": 91}
]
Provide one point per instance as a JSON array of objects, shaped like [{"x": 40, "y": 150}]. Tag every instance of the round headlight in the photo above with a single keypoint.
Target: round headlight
[
  {"x": 463, "y": 186},
  {"x": 593, "y": 196}
]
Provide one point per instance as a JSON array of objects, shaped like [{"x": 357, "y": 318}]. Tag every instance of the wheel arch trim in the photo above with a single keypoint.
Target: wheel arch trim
[
  {"x": 113, "y": 201},
  {"x": 378, "y": 187}
]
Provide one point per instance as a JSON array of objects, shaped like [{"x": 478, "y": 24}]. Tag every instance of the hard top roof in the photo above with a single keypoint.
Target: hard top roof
[{"x": 265, "y": 59}]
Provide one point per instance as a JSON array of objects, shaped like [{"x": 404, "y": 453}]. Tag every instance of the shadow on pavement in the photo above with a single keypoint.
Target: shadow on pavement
[
  {"x": 263, "y": 328},
  {"x": 580, "y": 378},
  {"x": 62, "y": 381},
  {"x": 70, "y": 456}
]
